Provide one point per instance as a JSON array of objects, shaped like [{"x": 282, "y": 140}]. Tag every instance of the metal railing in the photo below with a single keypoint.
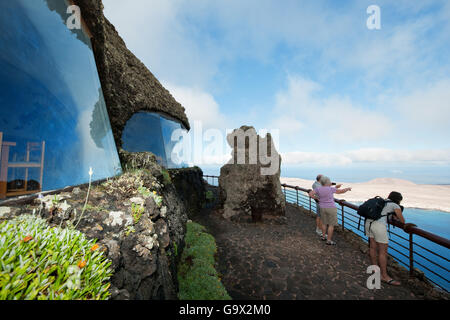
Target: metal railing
[
  {"x": 404, "y": 247},
  {"x": 211, "y": 178}
]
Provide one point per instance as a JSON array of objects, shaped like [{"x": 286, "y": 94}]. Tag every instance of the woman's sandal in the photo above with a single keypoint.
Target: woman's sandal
[
  {"x": 331, "y": 243},
  {"x": 323, "y": 238},
  {"x": 392, "y": 282}
]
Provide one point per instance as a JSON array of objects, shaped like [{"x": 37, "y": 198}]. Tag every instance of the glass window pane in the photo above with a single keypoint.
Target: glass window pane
[
  {"x": 152, "y": 132},
  {"x": 143, "y": 133},
  {"x": 168, "y": 127},
  {"x": 51, "y": 98}
]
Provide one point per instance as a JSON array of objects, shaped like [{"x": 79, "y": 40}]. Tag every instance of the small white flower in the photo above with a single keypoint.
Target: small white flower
[
  {"x": 74, "y": 280},
  {"x": 163, "y": 211},
  {"x": 64, "y": 206}
]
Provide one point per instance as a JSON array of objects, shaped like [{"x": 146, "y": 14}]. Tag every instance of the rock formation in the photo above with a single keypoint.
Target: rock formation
[
  {"x": 190, "y": 187},
  {"x": 249, "y": 185}
]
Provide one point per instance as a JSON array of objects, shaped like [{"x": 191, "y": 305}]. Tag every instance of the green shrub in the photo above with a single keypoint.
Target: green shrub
[
  {"x": 175, "y": 249},
  {"x": 136, "y": 211},
  {"x": 144, "y": 191},
  {"x": 166, "y": 176},
  {"x": 197, "y": 277},
  {"x": 39, "y": 262},
  {"x": 209, "y": 195}
]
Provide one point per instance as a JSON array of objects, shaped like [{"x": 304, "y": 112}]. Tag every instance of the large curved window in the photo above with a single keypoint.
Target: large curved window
[
  {"x": 53, "y": 120},
  {"x": 152, "y": 132}
]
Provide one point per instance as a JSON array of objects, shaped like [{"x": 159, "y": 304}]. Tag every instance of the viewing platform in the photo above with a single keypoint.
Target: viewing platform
[{"x": 289, "y": 261}]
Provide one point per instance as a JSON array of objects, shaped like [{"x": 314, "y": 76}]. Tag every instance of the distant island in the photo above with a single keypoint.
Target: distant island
[{"x": 423, "y": 196}]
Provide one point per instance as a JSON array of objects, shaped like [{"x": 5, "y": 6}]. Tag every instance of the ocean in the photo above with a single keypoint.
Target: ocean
[{"x": 362, "y": 173}]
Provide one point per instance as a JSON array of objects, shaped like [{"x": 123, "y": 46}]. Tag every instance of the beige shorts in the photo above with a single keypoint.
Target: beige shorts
[
  {"x": 329, "y": 216},
  {"x": 378, "y": 231}
]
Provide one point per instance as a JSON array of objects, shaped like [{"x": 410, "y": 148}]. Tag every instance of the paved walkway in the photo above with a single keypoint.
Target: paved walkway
[{"x": 267, "y": 261}]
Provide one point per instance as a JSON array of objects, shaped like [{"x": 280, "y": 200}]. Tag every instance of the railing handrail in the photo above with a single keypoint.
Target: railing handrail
[{"x": 408, "y": 227}]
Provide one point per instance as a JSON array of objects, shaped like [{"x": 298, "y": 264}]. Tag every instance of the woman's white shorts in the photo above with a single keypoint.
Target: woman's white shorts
[{"x": 378, "y": 231}]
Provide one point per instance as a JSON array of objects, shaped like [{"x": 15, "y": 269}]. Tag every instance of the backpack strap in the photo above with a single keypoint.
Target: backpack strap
[
  {"x": 384, "y": 215},
  {"x": 370, "y": 224},
  {"x": 387, "y": 217}
]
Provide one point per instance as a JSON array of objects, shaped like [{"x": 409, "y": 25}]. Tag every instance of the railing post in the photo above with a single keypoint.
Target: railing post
[
  {"x": 310, "y": 207},
  {"x": 411, "y": 255},
  {"x": 342, "y": 210},
  {"x": 296, "y": 190}
]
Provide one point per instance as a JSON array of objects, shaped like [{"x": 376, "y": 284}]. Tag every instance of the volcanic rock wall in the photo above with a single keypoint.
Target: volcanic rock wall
[{"x": 191, "y": 188}]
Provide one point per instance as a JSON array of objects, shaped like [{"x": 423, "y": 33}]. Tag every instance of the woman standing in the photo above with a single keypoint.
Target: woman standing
[
  {"x": 328, "y": 210},
  {"x": 315, "y": 185},
  {"x": 376, "y": 230}
]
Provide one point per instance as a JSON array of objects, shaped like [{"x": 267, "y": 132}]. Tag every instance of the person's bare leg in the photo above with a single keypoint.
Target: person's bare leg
[
  {"x": 324, "y": 229},
  {"x": 318, "y": 223},
  {"x": 382, "y": 258},
  {"x": 330, "y": 232},
  {"x": 373, "y": 252}
]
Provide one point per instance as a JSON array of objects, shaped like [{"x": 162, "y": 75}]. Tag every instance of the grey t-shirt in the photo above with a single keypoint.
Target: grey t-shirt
[
  {"x": 388, "y": 208},
  {"x": 315, "y": 185}
]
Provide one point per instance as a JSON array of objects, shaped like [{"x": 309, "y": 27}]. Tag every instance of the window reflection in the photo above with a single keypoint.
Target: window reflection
[
  {"x": 53, "y": 119},
  {"x": 152, "y": 132}
]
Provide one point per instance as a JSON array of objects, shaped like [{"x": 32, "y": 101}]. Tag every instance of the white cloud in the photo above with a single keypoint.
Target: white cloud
[
  {"x": 336, "y": 118},
  {"x": 397, "y": 70},
  {"x": 367, "y": 155},
  {"x": 186, "y": 41},
  {"x": 288, "y": 126},
  {"x": 325, "y": 159},
  {"x": 388, "y": 155},
  {"x": 156, "y": 33},
  {"x": 200, "y": 106},
  {"x": 428, "y": 107}
]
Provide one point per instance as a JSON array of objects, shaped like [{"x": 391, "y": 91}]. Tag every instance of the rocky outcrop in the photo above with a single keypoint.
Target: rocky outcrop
[
  {"x": 128, "y": 86},
  {"x": 245, "y": 189},
  {"x": 190, "y": 186},
  {"x": 138, "y": 219}
]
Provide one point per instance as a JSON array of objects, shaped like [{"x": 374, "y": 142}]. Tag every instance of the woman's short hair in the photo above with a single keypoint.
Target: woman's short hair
[
  {"x": 395, "y": 197},
  {"x": 318, "y": 177},
  {"x": 324, "y": 180}
]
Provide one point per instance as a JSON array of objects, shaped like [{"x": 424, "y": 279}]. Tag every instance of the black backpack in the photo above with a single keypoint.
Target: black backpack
[{"x": 371, "y": 209}]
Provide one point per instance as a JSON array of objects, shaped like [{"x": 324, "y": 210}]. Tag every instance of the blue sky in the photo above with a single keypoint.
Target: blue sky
[{"x": 339, "y": 93}]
